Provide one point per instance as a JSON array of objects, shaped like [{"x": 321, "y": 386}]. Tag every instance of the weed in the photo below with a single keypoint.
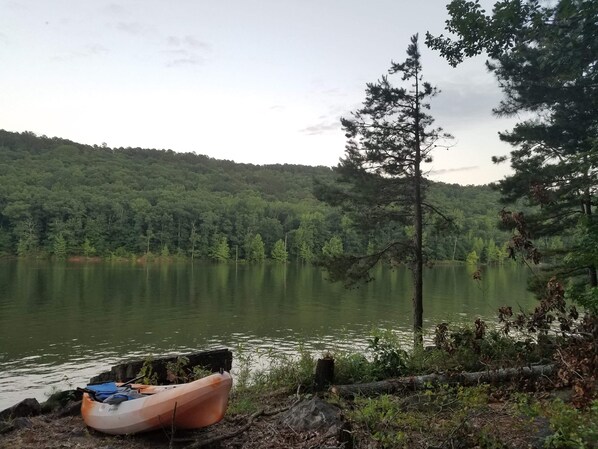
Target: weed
[
  {"x": 242, "y": 404},
  {"x": 352, "y": 368},
  {"x": 244, "y": 360},
  {"x": 175, "y": 371},
  {"x": 150, "y": 377},
  {"x": 382, "y": 419},
  {"x": 286, "y": 371},
  {"x": 199, "y": 372},
  {"x": 572, "y": 427},
  {"x": 388, "y": 357}
]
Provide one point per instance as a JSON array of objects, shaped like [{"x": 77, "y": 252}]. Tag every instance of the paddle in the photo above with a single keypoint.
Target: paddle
[{"x": 128, "y": 382}]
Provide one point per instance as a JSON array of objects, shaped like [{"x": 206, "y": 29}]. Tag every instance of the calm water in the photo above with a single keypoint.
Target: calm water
[{"x": 63, "y": 323}]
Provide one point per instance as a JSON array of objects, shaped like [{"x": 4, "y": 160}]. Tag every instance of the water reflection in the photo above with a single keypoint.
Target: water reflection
[{"x": 62, "y": 323}]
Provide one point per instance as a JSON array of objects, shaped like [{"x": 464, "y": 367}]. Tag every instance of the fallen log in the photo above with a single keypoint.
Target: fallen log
[
  {"x": 391, "y": 386},
  {"x": 213, "y": 361}
]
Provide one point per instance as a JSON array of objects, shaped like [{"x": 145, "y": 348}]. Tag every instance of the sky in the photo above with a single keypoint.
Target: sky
[{"x": 253, "y": 81}]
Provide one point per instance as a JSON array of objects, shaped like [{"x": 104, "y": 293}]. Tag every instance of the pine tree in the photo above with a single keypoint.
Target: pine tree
[
  {"x": 381, "y": 182},
  {"x": 544, "y": 56}
]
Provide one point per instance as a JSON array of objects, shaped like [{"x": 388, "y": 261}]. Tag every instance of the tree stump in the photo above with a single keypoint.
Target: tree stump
[{"x": 324, "y": 373}]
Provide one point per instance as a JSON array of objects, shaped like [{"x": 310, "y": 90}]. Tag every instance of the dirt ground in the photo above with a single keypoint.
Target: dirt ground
[
  {"x": 264, "y": 431},
  {"x": 71, "y": 432}
]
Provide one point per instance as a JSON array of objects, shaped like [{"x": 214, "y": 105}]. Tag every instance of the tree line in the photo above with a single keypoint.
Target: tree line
[{"x": 59, "y": 198}]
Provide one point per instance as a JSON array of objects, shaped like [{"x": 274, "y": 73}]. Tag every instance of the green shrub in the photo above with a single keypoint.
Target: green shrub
[
  {"x": 388, "y": 357},
  {"x": 573, "y": 428},
  {"x": 352, "y": 368}
]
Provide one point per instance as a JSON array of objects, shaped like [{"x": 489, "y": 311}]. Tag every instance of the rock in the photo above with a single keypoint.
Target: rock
[
  {"x": 314, "y": 414},
  {"x": 71, "y": 409},
  {"x": 6, "y": 427},
  {"x": 77, "y": 433},
  {"x": 27, "y": 407},
  {"x": 22, "y": 423},
  {"x": 61, "y": 400},
  {"x": 542, "y": 431}
]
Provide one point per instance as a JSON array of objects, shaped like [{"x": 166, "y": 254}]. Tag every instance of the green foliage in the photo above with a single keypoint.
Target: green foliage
[
  {"x": 279, "y": 253},
  {"x": 352, "y": 368},
  {"x": 121, "y": 203},
  {"x": 27, "y": 237},
  {"x": 381, "y": 183},
  {"x": 543, "y": 54},
  {"x": 199, "y": 372},
  {"x": 149, "y": 376},
  {"x": 466, "y": 348},
  {"x": 333, "y": 247},
  {"x": 584, "y": 254},
  {"x": 286, "y": 371},
  {"x": 434, "y": 417},
  {"x": 88, "y": 249},
  {"x": 164, "y": 252},
  {"x": 388, "y": 358},
  {"x": 572, "y": 427},
  {"x": 242, "y": 403},
  {"x": 283, "y": 371},
  {"x": 472, "y": 258},
  {"x": 381, "y": 416},
  {"x": 59, "y": 247},
  {"x": 176, "y": 372},
  {"x": 306, "y": 253},
  {"x": 24, "y": 247},
  {"x": 244, "y": 360},
  {"x": 308, "y": 237},
  {"x": 255, "y": 250},
  {"x": 220, "y": 252}
]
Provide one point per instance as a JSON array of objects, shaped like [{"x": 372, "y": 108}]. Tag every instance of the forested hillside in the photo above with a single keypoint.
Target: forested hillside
[{"x": 61, "y": 198}]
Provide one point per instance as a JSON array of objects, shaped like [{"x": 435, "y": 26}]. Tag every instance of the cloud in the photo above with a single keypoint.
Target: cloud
[
  {"x": 472, "y": 101},
  {"x": 16, "y": 6},
  {"x": 180, "y": 62},
  {"x": 444, "y": 171},
  {"x": 321, "y": 128},
  {"x": 134, "y": 28},
  {"x": 188, "y": 42},
  {"x": 113, "y": 9},
  {"x": 179, "y": 51},
  {"x": 88, "y": 51},
  {"x": 185, "y": 51}
]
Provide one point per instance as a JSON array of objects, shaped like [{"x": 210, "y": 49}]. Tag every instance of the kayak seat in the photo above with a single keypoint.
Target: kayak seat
[{"x": 110, "y": 393}]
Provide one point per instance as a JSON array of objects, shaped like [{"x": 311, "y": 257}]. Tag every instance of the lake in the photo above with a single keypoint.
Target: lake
[{"x": 61, "y": 323}]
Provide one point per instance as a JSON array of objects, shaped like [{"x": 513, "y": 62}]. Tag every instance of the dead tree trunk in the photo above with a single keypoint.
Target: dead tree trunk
[
  {"x": 391, "y": 386},
  {"x": 324, "y": 373},
  {"x": 212, "y": 360}
]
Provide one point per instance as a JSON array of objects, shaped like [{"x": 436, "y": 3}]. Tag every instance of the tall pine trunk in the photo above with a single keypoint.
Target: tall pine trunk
[
  {"x": 593, "y": 277},
  {"x": 418, "y": 281}
]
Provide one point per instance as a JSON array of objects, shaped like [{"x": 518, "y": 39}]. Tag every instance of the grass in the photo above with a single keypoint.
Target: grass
[{"x": 440, "y": 416}]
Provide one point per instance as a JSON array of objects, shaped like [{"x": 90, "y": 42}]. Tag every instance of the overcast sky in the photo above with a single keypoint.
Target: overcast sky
[{"x": 260, "y": 81}]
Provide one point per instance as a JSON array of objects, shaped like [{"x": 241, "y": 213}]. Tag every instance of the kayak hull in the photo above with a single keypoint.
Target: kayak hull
[{"x": 193, "y": 405}]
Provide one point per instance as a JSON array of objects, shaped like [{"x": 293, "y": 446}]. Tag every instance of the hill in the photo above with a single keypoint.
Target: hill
[{"x": 64, "y": 198}]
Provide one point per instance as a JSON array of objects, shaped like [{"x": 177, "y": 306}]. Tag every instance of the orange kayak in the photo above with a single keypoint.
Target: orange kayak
[{"x": 198, "y": 404}]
